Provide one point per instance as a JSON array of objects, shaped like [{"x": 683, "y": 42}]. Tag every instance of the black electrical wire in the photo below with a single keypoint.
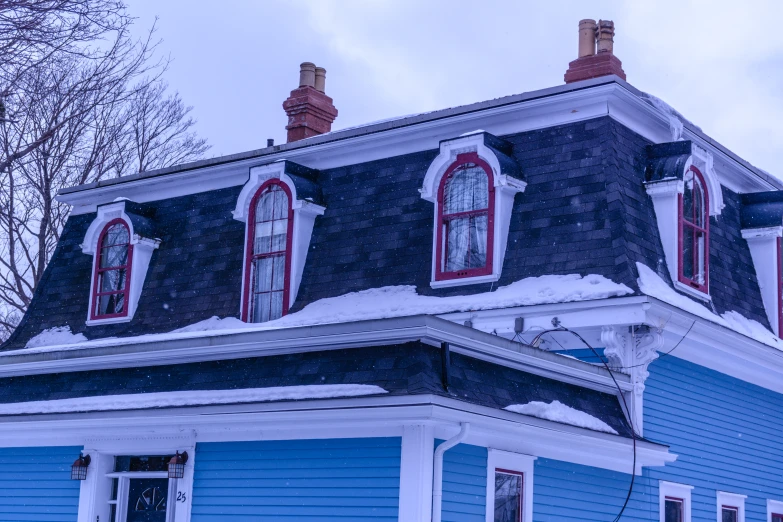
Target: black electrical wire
[{"x": 634, "y": 436}]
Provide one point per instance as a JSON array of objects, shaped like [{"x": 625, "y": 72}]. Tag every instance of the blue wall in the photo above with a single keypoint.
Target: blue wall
[
  {"x": 349, "y": 480},
  {"x": 464, "y": 483},
  {"x": 36, "y": 485},
  {"x": 728, "y": 435}
]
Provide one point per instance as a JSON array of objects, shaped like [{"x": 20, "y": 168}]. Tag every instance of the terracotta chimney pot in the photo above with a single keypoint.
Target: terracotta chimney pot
[
  {"x": 592, "y": 64},
  {"x": 320, "y": 79},
  {"x": 307, "y": 75},
  {"x": 587, "y": 30},
  {"x": 310, "y": 111},
  {"x": 605, "y": 36}
]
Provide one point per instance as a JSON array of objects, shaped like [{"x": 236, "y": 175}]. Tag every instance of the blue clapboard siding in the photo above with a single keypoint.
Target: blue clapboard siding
[
  {"x": 464, "y": 483},
  {"x": 728, "y": 435},
  {"x": 329, "y": 480},
  {"x": 36, "y": 485},
  {"x": 565, "y": 491}
]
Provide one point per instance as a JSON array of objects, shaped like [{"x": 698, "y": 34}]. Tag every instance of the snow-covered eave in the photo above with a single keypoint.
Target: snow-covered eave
[
  {"x": 716, "y": 346},
  {"x": 236, "y": 344},
  {"x": 345, "y": 417}
]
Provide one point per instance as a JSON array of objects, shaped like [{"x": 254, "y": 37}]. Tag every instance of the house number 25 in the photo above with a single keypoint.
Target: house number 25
[{"x": 181, "y": 496}]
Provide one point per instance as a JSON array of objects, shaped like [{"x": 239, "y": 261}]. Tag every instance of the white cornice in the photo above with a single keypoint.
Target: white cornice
[
  {"x": 343, "y": 418},
  {"x": 558, "y": 107}
]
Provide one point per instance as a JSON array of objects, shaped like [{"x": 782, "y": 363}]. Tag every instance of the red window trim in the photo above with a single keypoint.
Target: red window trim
[
  {"x": 773, "y": 515},
  {"x": 440, "y": 274},
  {"x": 521, "y": 489},
  {"x": 681, "y": 224},
  {"x": 780, "y": 287},
  {"x": 676, "y": 499},
  {"x": 249, "y": 256},
  {"x": 97, "y": 271}
]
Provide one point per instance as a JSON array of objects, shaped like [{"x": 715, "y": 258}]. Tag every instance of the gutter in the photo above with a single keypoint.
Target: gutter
[{"x": 437, "y": 473}]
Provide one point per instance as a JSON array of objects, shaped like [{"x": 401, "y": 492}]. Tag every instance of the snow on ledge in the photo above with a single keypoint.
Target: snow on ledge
[
  {"x": 376, "y": 303},
  {"x": 651, "y": 284},
  {"x": 137, "y": 401},
  {"x": 558, "y": 412},
  {"x": 59, "y": 335}
]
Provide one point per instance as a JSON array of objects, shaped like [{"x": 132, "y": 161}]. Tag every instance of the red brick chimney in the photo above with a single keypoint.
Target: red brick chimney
[
  {"x": 592, "y": 64},
  {"x": 310, "y": 111}
]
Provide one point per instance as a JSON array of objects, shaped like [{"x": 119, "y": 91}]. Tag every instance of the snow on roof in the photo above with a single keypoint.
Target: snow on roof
[
  {"x": 558, "y": 412},
  {"x": 651, "y": 284},
  {"x": 376, "y": 303},
  {"x": 135, "y": 401},
  {"x": 59, "y": 335}
]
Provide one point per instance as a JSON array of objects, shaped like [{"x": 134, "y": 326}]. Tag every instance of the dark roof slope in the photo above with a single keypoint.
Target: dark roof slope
[
  {"x": 407, "y": 369},
  {"x": 585, "y": 211}
]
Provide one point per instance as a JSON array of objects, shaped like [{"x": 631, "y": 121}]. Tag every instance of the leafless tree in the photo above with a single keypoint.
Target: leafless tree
[{"x": 81, "y": 101}]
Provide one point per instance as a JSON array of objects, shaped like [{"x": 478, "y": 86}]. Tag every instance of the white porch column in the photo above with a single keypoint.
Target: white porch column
[{"x": 416, "y": 473}]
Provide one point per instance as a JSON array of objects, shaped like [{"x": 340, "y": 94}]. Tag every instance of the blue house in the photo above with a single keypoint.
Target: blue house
[{"x": 558, "y": 305}]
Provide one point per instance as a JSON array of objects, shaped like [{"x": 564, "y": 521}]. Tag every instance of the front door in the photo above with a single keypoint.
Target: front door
[{"x": 147, "y": 499}]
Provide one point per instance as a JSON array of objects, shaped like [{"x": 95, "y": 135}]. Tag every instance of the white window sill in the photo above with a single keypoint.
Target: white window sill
[
  {"x": 448, "y": 283},
  {"x": 698, "y": 294},
  {"x": 111, "y": 320}
]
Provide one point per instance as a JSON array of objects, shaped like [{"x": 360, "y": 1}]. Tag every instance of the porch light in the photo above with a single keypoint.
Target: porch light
[
  {"x": 79, "y": 467},
  {"x": 177, "y": 465}
]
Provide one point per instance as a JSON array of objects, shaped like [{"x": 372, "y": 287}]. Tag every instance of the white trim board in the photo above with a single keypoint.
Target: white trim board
[
  {"x": 512, "y": 462},
  {"x": 674, "y": 490},
  {"x": 345, "y": 418},
  {"x": 588, "y": 100}
]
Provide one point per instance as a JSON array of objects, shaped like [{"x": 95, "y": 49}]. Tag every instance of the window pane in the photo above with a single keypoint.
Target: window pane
[
  {"x": 276, "y": 306},
  {"x": 281, "y": 203},
  {"x": 687, "y": 252},
  {"x": 262, "y": 243},
  {"x": 478, "y": 241},
  {"x": 729, "y": 515},
  {"x": 111, "y": 280},
  {"x": 508, "y": 497},
  {"x": 263, "y": 274},
  {"x": 278, "y": 272},
  {"x": 114, "y": 256},
  {"x": 116, "y": 235},
  {"x": 673, "y": 510},
  {"x": 261, "y": 307},
  {"x": 458, "y": 244},
  {"x": 110, "y": 304},
  {"x": 279, "y": 235},
  {"x": 265, "y": 206},
  {"x": 466, "y": 189},
  {"x": 777, "y": 518}
]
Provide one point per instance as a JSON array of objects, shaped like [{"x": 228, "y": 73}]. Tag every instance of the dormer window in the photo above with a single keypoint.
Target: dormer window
[
  {"x": 685, "y": 192},
  {"x": 694, "y": 231},
  {"x": 279, "y": 204},
  {"x": 472, "y": 184},
  {"x": 112, "y": 271},
  {"x": 121, "y": 240},
  {"x": 466, "y": 200},
  {"x": 267, "y": 279}
]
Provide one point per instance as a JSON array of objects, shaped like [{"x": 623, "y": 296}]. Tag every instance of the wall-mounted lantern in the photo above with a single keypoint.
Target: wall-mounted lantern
[
  {"x": 177, "y": 465},
  {"x": 79, "y": 467}
]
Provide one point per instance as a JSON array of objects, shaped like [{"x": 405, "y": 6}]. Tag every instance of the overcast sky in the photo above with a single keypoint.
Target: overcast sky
[{"x": 718, "y": 63}]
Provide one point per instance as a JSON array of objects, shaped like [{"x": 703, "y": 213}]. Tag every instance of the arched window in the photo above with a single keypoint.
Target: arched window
[
  {"x": 268, "y": 263},
  {"x": 466, "y": 202},
  {"x": 694, "y": 231},
  {"x": 112, "y": 271}
]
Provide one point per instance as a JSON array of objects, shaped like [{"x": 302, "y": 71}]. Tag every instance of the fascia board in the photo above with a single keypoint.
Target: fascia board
[
  {"x": 615, "y": 99},
  {"x": 343, "y": 418},
  {"x": 719, "y": 348},
  {"x": 431, "y": 330}
]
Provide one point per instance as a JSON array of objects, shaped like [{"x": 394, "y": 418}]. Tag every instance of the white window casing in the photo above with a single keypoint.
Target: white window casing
[
  {"x": 305, "y": 213},
  {"x": 524, "y": 464},
  {"x": 763, "y": 246},
  {"x": 506, "y": 187},
  {"x": 665, "y": 196},
  {"x": 678, "y": 491},
  {"x": 730, "y": 500},
  {"x": 95, "y": 491},
  {"x": 141, "y": 255},
  {"x": 774, "y": 507}
]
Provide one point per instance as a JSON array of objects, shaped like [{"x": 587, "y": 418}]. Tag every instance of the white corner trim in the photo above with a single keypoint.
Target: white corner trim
[
  {"x": 763, "y": 245},
  {"x": 730, "y": 500},
  {"x": 305, "y": 213},
  {"x": 506, "y": 187},
  {"x": 774, "y": 507},
  {"x": 418, "y": 446},
  {"x": 703, "y": 160},
  {"x": 675, "y": 490},
  {"x": 140, "y": 260},
  {"x": 498, "y": 459}
]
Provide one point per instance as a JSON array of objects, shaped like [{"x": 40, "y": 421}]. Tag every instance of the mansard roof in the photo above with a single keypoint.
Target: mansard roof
[
  {"x": 412, "y": 368},
  {"x": 584, "y": 211}
]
